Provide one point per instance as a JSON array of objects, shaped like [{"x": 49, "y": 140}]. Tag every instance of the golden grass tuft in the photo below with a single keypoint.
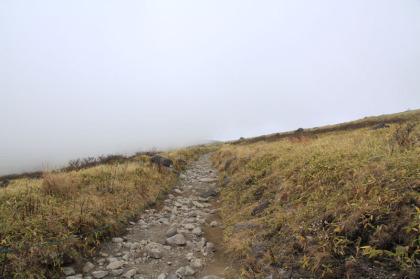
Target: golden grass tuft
[{"x": 60, "y": 184}]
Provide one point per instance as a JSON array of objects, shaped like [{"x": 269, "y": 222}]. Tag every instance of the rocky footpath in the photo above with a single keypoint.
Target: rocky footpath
[{"x": 182, "y": 238}]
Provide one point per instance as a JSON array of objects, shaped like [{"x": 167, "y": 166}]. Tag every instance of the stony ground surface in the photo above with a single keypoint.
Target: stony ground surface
[{"x": 181, "y": 238}]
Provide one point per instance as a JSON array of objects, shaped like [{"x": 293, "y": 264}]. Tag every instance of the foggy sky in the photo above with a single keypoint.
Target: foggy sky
[{"x": 85, "y": 78}]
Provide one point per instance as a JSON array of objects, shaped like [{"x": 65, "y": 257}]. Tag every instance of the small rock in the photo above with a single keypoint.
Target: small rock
[
  {"x": 214, "y": 224},
  {"x": 211, "y": 246},
  {"x": 166, "y": 209},
  {"x": 135, "y": 246},
  {"x": 129, "y": 273},
  {"x": 197, "y": 204},
  {"x": 88, "y": 267},
  {"x": 117, "y": 272},
  {"x": 69, "y": 271},
  {"x": 117, "y": 240},
  {"x": 99, "y": 274},
  {"x": 171, "y": 232},
  {"x": 177, "y": 239},
  {"x": 173, "y": 276},
  {"x": 111, "y": 259},
  {"x": 190, "y": 256},
  {"x": 162, "y": 276},
  {"x": 154, "y": 250},
  {"x": 188, "y": 271},
  {"x": 115, "y": 265},
  {"x": 192, "y": 213},
  {"x": 196, "y": 264},
  {"x": 196, "y": 231},
  {"x": 178, "y": 191},
  {"x": 180, "y": 271},
  {"x": 212, "y": 277},
  {"x": 189, "y": 226},
  {"x": 127, "y": 245},
  {"x": 208, "y": 193},
  {"x": 202, "y": 242}
]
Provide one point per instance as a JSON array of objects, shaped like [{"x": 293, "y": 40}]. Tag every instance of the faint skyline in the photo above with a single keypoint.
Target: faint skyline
[{"x": 84, "y": 78}]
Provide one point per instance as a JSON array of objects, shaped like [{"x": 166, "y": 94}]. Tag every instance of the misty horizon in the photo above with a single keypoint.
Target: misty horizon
[{"x": 81, "y": 79}]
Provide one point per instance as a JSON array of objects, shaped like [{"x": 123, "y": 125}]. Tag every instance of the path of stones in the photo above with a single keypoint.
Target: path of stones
[{"x": 182, "y": 238}]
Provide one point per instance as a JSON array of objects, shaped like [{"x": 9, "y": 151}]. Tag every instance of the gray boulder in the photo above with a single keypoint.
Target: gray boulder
[{"x": 162, "y": 161}]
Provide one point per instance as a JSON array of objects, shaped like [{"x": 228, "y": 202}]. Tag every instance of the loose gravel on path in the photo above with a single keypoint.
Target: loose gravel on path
[{"x": 180, "y": 239}]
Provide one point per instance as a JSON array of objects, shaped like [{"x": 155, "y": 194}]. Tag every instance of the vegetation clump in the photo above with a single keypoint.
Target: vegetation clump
[{"x": 341, "y": 204}]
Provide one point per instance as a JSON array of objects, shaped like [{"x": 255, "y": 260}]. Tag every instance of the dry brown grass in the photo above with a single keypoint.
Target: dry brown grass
[
  {"x": 342, "y": 204},
  {"x": 61, "y": 185},
  {"x": 65, "y": 204}
]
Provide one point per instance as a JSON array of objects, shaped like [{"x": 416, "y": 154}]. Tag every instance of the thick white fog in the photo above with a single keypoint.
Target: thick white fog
[{"x": 85, "y": 78}]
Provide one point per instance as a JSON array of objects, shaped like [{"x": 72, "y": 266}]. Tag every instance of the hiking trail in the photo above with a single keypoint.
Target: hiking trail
[{"x": 180, "y": 237}]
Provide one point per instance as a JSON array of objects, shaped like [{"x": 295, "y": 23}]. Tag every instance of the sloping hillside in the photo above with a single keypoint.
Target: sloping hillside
[
  {"x": 64, "y": 204},
  {"x": 334, "y": 202}
]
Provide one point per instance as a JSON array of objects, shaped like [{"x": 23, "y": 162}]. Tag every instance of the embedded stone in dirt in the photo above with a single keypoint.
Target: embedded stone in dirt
[
  {"x": 69, "y": 271},
  {"x": 117, "y": 240},
  {"x": 171, "y": 232},
  {"x": 197, "y": 204},
  {"x": 115, "y": 265},
  {"x": 154, "y": 250},
  {"x": 88, "y": 267},
  {"x": 208, "y": 193},
  {"x": 99, "y": 274},
  {"x": 214, "y": 224},
  {"x": 177, "y": 239},
  {"x": 196, "y": 231}
]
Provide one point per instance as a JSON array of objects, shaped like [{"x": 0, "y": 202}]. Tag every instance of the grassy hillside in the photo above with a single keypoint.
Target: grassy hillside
[
  {"x": 367, "y": 122},
  {"x": 65, "y": 204},
  {"x": 341, "y": 203}
]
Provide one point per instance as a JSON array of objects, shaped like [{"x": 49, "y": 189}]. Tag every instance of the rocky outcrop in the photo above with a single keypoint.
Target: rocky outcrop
[{"x": 162, "y": 161}]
